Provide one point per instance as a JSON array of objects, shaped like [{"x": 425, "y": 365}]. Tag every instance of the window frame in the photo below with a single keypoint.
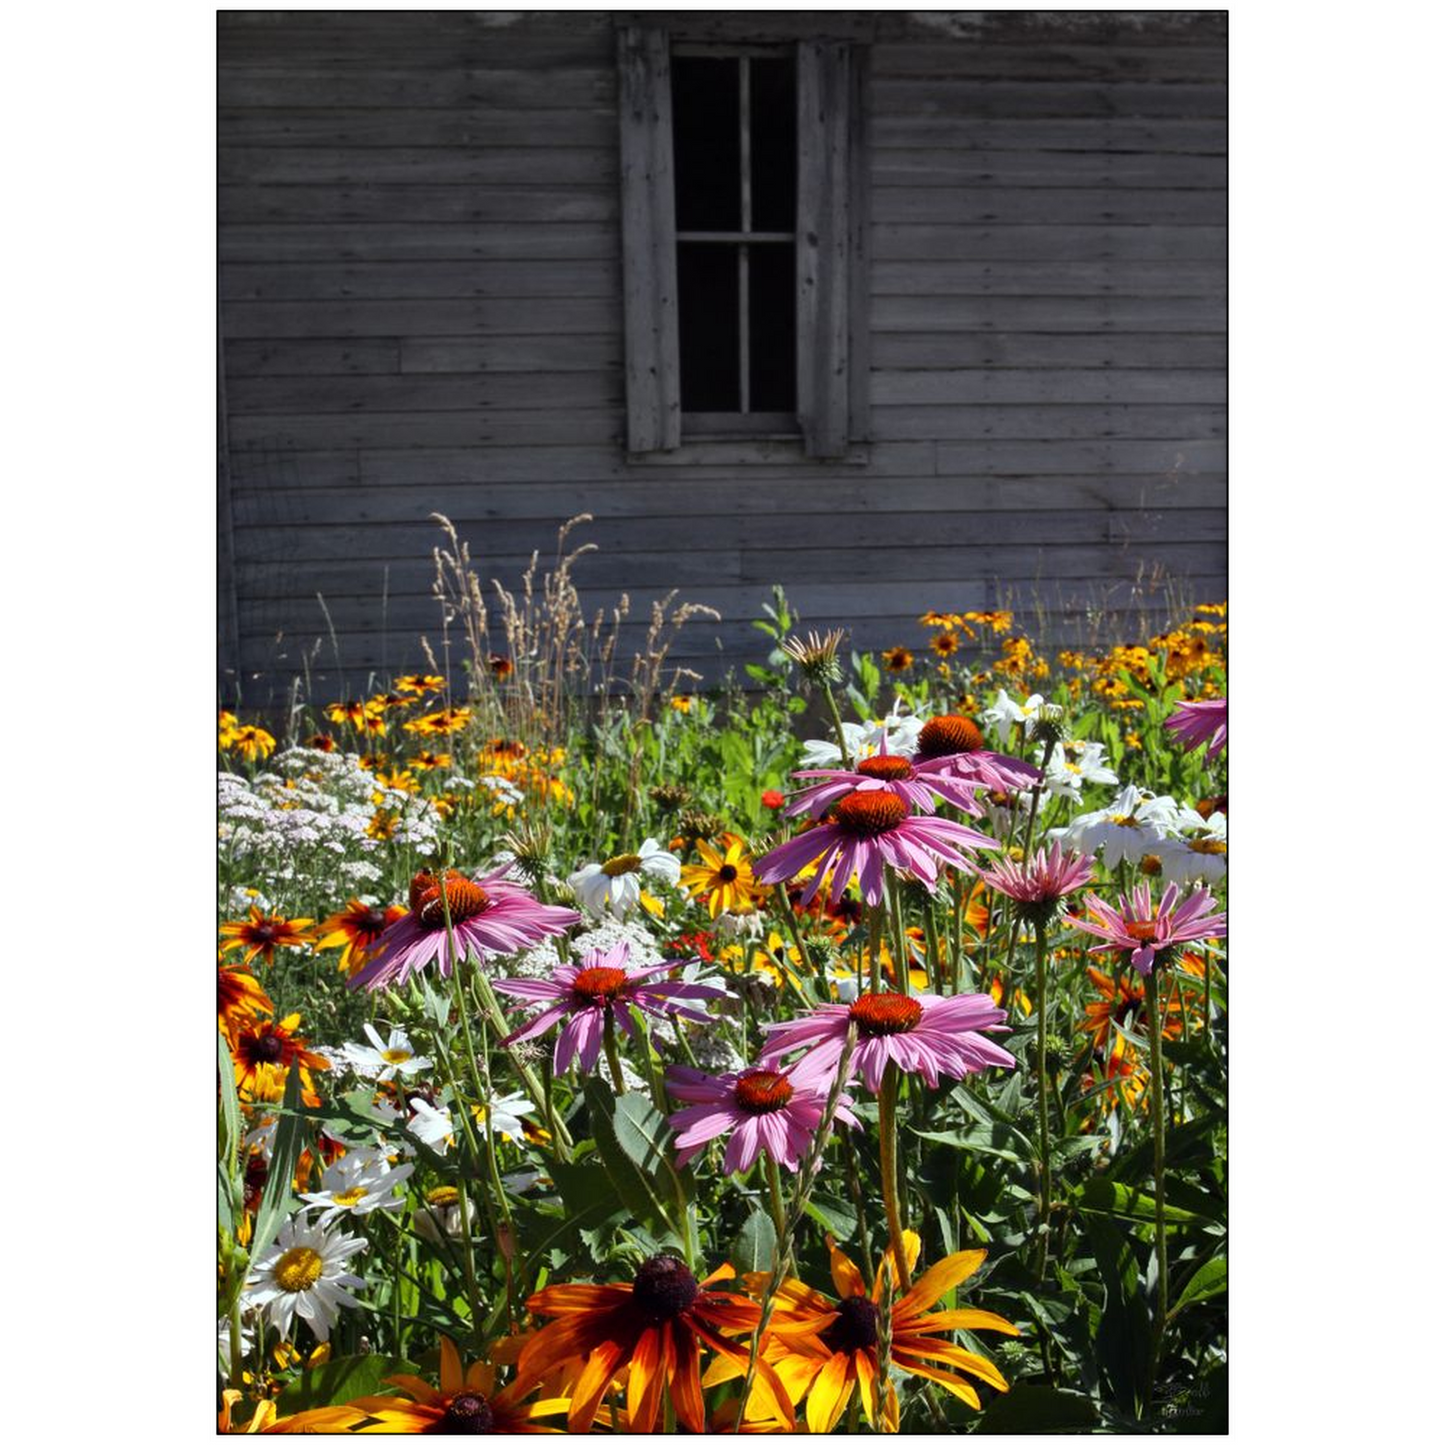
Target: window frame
[{"x": 830, "y": 246}]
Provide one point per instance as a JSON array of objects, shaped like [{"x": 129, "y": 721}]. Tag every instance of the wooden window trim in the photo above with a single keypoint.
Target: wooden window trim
[{"x": 833, "y": 253}]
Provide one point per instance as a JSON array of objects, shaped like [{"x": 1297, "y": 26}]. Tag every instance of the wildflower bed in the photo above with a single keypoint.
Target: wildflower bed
[{"x": 689, "y": 1065}]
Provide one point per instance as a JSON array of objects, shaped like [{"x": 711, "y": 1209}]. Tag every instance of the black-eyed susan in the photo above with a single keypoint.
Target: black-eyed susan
[
  {"x": 652, "y": 1331},
  {"x": 440, "y": 724},
  {"x": 252, "y": 743},
  {"x": 944, "y": 644},
  {"x": 347, "y": 711},
  {"x": 949, "y": 620},
  {"x": 356, "y": 930},
  {"x": 725, "y": 879},
  {"x": 897, "y": 659},
  {"x": 265, "y": 1051},
  {"x": 262, "y": 934},
  {"x": 419, "y": 683},
  {"x": 240, "y": 1000},
  {"x": 466, "y": 1403},
  {"x": 823, "y": 1349},
  {"x": 321, "y": 743},
  {"x": 427, "y": 761},
  {"x": 500, "y": 665}
]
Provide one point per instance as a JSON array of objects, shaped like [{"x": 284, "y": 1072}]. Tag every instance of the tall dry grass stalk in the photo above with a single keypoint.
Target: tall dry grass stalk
[{"x": 547, "y": 656}]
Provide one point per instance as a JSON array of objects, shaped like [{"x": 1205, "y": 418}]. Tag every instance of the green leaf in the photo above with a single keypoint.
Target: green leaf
[
  {"x": 636, "y": 1187},
  {"x": 1124, "y": 1330},
  {"x": 833, "y": 1216},
  {"x": 338, "y": 1381},
  {"x": 1036, "y": 1410},
  {"x": 756, "y": 1244},
  {"x": 231, "y": 1184},
  {"x": 642, "y": 1132},
  {"x": 1210, "y": 1279},
  {"x": 1105, "y": 1196},
  {"x": 276, "y": 1197}
]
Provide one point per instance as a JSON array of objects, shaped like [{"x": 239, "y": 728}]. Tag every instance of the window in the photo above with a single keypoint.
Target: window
[{"x": 743, "y": 242}]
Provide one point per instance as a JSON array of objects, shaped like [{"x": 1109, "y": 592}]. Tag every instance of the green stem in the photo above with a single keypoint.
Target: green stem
[
  {"x": 775, "y": 1193},
  {"x": 609, "y": 1046},
  {"x": 838, "y": 726},
  {"x": 237, "y": 1363},
  {"x": 875, "y": 949},
  {"x": 888, "y": 1161},
  {"x": 1157, "y": 1109},
  {"x": 1041, "y": 1016},
  {"x": 935, "y": 963}
]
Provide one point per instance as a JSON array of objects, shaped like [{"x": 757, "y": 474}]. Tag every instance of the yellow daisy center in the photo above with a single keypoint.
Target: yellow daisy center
[
  {"x": 622, "y": 863},
  {"x": 351, "y": 1196},
  {"x": 298, "y": 1269},
  {"x": 396, "y": 1056},
  {"x": 1215, "y": 847}
]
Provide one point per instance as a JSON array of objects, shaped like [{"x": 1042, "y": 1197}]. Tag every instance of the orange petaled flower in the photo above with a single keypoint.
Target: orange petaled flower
[
  {"x": 945, "y": 644},
  {"x": 355, "y": 930},
  {"x": 725, "y": 879},
  {"x": 239, "y": 1000},
  {"x": 264, "y": 1052},
  {"x": 419, "y": 683},
  {"x": 1121, "y": 1002},
  {"x": 823, "y": 1349},
  {"x": 252, "y": 743},
  {"x": 466, "y": 1404},
  {"x": 263, "y": 934},
  {"x": 499, "y": 665},
  {"x": 439, "y": 724},
  {"x": 941, "y": 619},
  {"x": 649, "y": 1333},
  {"x": 347, "y": 712},
  {"x": 384, "y": 700},
  {"x": 322, "y": 742},
  {"x": 898, "y": 659},
  {"x": 429, "y": 760}
]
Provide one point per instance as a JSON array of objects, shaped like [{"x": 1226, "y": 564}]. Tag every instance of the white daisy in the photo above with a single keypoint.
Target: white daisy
[
  {"x": 439, "y": 1215},
  {"x": 504, "y": 1116},
  {"x": 302, "y": 1274},
  {"x": 615, "y": 886},
  {"x": 1134, "y": 824},
  {"x": 1005, "y": 712},
  {"x": 356, "y": 1185},
  {"x": 865, "y": 740},
  {"x": 386, "y": 1060},
  {"x": 432, "y": 1126},
  {"x": 1201, "y": 854},
  {"x": 1073, "y": 765}
]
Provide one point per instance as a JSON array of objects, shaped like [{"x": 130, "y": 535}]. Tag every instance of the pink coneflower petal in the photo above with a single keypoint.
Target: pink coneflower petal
[{"x": 602, "y": 986}]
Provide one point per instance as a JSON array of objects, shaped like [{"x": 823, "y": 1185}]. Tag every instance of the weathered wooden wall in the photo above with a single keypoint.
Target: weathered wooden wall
[{"x": 421, "y": 279}]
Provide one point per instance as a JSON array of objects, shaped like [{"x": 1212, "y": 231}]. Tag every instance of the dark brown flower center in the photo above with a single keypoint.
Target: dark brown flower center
[
  {"x": 267, "y": 1048},
  {"x": 464, "y": 899},
  {"x": 856, "y": 1327},
  {"x": 885, "y": 1013},
  {"x": 942, "y": 736},
  {"x": 663, "y": 1288},
  {"x": 466, "y": 1414},
  {"x": 600, "y": 985},
  {"x": 762, "y": 1091},
  {"x": 887, "y": 765},
  {"x": 727, "y": 873},
  {"x": 265, "y": 932},
  {"x": 866, "y": 815}
]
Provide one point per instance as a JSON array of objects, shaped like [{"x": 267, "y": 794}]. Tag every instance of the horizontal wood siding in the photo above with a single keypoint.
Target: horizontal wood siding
[{"x": 421, "y": 291}]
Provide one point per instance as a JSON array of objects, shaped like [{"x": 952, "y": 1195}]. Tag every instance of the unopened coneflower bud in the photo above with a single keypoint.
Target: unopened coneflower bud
[
  {"x": 694, "y": 823},
  {"x": 670, "y": 797},
  {"x": 817, "y": 656},
  {"x": 529, "y": 844},
  {"x": 1049, "y": 724}
]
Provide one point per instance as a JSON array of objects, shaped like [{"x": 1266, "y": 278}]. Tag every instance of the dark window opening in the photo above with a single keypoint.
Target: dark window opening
[{"x": 735, "y": 167}]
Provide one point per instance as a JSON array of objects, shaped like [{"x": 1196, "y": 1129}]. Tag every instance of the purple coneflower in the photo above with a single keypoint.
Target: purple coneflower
[
  {"x": 956, "y": 743},
  {"x": 1145, "y": 934},
  {"x": 922, "y": 1034},
  {"x": 1196, "y": 723},
  {"x": 867, "y": 830},
  {"x": 766, "y": 1112},
  {"x": 917, "y": 782},
  {"x": 488, "y": 916},
  {"x": 1038, "y": 885},
  {"x": 586, "y": 997}
]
